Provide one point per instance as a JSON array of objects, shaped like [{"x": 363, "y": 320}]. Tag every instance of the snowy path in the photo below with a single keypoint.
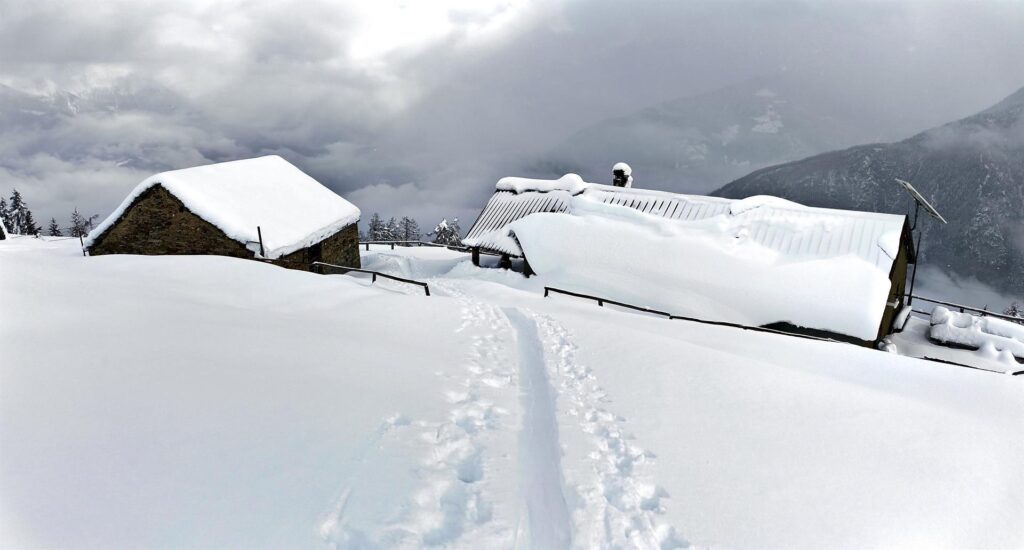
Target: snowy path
[
  {"x": 613, "y": 503},
  {"x": 620, "y": 505},
  {"x": 539, "y": 451},
  {"x": 454, "y": 500},
  {"x": 520, "y": 386}
]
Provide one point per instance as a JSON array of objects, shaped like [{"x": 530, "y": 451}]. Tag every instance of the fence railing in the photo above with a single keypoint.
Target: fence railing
[
  {"x": 321, "y": 265},
  {"x": 964, "y": 308},
  {"x": 414, "y": 243},
  {"x": 602, "y": 301}
]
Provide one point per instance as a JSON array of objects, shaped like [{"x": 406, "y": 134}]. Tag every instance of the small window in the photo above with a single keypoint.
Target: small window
[{"x": 315, "y": 253}]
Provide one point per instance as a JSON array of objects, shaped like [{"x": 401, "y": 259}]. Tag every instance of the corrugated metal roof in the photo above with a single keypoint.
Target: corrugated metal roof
[
  {"x": 791, "y": 230},
  {"x": 505, "y": 207}
]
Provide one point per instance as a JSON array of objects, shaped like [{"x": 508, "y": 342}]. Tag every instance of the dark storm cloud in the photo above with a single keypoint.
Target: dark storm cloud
[{"x": 425, "y": 128}]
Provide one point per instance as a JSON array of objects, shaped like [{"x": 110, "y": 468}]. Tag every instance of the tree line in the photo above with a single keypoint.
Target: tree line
[
  {"x": 407, "y": 229},
  {"x": 18, "y": 219}
]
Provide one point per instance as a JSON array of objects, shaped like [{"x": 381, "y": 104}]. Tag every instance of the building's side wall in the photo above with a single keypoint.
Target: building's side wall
[
  {"x": 897, "y": 289},
  {"x": 341, "y": 248},
  {"x": 158, "y": 223}
]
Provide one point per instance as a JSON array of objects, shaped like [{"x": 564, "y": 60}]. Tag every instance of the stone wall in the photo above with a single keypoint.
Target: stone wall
[
  {"x": 342, "y": 248},
  {"x": 158, "y": 223}
]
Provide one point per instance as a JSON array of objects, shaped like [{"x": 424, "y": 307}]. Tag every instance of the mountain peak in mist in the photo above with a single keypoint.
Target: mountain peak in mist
[{"x": 972, "y": 169}]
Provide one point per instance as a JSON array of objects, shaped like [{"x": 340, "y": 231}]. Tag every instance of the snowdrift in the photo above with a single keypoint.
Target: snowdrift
[
  {"x": 183, "y": 402},
  {"x": 725, "y": 267},
  {"x": 997, "y": 336}
]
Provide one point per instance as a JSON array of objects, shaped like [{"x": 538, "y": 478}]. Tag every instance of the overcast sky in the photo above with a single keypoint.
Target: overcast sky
[{"x": 418, "y": 107}]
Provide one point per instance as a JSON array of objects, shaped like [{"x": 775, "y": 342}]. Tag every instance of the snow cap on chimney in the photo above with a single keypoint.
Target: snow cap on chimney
[{"x": 623, "y": 175}]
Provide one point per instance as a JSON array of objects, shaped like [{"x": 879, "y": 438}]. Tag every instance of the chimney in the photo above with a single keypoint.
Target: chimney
[{"x": 622, "y": 175}]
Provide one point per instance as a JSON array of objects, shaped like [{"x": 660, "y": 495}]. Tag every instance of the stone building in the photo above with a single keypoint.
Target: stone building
[{"x": 261, "y": 208}]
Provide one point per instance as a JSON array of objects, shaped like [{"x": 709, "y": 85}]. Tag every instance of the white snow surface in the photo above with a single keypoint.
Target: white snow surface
[
  {"x": 212, "y": 402},
  {"x": 915, "y": 341},
  {"x": 740, "y": 206},
  {"x": 977, "y": 331},
  {"x": 570, "y": 183},
  {"x": 292, "y": 209},
  {"x": 710, "y": 269}
]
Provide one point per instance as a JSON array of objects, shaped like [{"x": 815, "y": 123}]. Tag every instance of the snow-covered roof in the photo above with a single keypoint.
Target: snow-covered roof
[
  {"x": 292, "y": 209},
  {"x": 782, "y": 225},
  {"x": 755, "y": 261}
]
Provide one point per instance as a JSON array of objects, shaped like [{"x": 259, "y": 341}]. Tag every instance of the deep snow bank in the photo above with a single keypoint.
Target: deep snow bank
[
  {"x": 710, "y": 269},
  {"x": 193, "y": 402},
  {"x": 996, "y": 336},
  {"x": 210, "y": 402}
]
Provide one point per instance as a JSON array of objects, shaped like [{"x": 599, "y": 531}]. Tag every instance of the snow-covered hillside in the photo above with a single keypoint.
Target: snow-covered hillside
[
  {"x": 213, "y": 402},
  {"x": 971, "y": 169}
]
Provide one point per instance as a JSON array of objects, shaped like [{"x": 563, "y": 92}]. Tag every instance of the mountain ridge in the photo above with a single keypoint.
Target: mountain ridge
[
  {"x": 699, "y": 142},
  {"x": 971, "y": 169}
]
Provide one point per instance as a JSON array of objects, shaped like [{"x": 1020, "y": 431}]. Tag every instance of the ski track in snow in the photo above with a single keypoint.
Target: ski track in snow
[
  {"x": 620, "y": 506},
  {"x": 540, "y": 474},
  {"x": 615, "y": 506}
]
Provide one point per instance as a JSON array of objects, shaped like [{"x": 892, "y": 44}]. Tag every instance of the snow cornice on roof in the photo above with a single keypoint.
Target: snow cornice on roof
[{"x": 787, "y": 226}]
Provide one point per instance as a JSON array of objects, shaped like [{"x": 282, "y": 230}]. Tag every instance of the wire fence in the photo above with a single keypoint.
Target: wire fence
[{"x": 962, "y": 308}]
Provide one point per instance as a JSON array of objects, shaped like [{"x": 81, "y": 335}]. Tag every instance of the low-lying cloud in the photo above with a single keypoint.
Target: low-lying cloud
[{"x": 417, "y": 109}]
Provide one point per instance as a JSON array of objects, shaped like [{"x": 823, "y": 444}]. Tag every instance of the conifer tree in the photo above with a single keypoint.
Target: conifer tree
[
  {"x": 79, "y": 225},
  {"x": 408, "y": 229},
  {"x": 375, "y": 229},
  {"x": 5, "y": 214},
  {"x": 1015, "y": 310},
  {"x": 391, "y": 230},
  {"x": 456, "y": 230},
  {"x": 21, "y": 220},
  {"x": 29, "y": 224},
  {"x": 447, "y": 233},
  {"x": 54, "y": 229}
]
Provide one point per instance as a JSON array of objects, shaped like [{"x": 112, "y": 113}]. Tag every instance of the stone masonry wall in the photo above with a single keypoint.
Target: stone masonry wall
[
  {"x": 158, "y": 223},
  {"x": 342, "y": 248}
]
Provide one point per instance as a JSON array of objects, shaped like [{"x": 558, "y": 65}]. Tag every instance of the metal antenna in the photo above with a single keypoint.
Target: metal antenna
[{"x": 919, "y": 201}]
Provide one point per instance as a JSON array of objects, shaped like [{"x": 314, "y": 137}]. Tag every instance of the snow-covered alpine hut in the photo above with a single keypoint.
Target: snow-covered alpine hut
[
  {"x": 263, "y": 208},
  {"x": 760, "y": 261}
]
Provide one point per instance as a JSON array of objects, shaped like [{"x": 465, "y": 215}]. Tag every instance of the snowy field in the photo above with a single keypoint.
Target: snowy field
[{"x": 213, "y": 402}]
